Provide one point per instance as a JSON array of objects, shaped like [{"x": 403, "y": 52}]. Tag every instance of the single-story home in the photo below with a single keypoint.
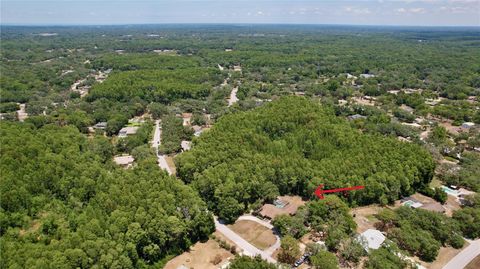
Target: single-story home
[
  {"x": 100, "y": 125},
  {"x": 350, "y": 76},
  {"x": 197, "y": 130},
  {"x": 125, "y": 160},
  {"x": 186, "y": 145},
  {"x": 300, "y": 93},
  {"x": 367, "y": 75},
  {"x": 126, "y": 131},
  {"x": 373, "y": 238},
  {"x": 434, "y": 207},
  {"x": 281, "y": 206},
  {"x": 356, "y": 117}
]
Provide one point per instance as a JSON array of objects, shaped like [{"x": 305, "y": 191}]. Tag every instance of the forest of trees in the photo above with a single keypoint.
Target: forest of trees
[
  {"x": 420, "y": 232},
  {"x": 65, "y": 205},
  {"x": 291, "y": 146}
]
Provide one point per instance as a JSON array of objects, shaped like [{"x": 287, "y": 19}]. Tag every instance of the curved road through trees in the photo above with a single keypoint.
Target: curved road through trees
[
  {"x": 465, "y": 256},
  {"x": 248, "y": 248}
]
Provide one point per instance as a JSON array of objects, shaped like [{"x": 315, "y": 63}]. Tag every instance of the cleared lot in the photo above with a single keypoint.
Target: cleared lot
[
  {"x": 364, "y": 217},
  {"x": 255, "y": 233},
  {"x": 202, "y": 255}
]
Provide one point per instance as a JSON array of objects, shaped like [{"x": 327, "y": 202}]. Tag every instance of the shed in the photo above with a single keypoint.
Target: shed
[
  {"x": 356, "y": 117},
  {"x": 468, "y": 125}
]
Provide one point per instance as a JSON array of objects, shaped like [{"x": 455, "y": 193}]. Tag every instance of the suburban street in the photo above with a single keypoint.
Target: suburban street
[
  {"x": 162, "y": 162},
  {"x": 248, "y": 248},
  {"x": 464, "y": 257}
]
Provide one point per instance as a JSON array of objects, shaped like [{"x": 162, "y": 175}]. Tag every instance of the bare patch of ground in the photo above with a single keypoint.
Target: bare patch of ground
[
  {"x": 455, "y": 130},
  {"x": 474, "y": 264},
  {"x": 255, "y": 233},
  {"x": 363, "y": 101},
  {"x": 171, "y": 164},
  {"x": 201, "y": 255},
  {"x": 451, "y": 205},
  {"x": 422, "y": 198},
  {"x": 364, "y": 217},
  {"x": 445, "y": 254},
  {"x": 33, "y": 228}
]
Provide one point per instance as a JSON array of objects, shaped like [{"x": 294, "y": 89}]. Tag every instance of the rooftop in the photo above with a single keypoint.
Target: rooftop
[
  {"x": 374, "y": 238},
  {"x": 282, "y": 205},
  {"x": 123, "y": 160},
  {"x": 435, "y": 207},
  {"x": 186, "y": 145},
  {"x": 130, "y": 130}
]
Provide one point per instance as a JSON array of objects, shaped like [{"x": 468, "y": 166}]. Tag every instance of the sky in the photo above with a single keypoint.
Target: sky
[{"x": 359, "y": 12}]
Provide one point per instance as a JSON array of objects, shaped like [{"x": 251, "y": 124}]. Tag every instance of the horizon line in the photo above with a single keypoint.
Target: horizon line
[{"x": 232, "y": 23}]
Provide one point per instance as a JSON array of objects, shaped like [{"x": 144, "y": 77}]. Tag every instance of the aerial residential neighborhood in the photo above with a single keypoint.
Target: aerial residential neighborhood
[{"x": 201, "y": 134}]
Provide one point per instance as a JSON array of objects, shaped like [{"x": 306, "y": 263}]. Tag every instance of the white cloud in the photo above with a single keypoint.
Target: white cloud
[
  {"x": 464, "y": 1},
  {"x": 456, "y": 10},
  {"x": 358, "y": 10},
  {"x": 417, "y": 10}
]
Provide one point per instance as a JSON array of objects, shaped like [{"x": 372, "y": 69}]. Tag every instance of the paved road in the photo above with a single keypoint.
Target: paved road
[
  {"x": 275, "y": 246},
  {"x": 162, "y": 162},
  {"x": 248, "y": 248},
  {"x": 465, "y": 256}
]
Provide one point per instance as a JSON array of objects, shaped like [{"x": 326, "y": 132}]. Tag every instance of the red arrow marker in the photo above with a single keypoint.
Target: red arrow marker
[{"x": 320, "y": 191}]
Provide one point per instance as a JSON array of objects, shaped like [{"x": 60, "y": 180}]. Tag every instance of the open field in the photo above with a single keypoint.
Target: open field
[
  {"x": 451, "y": 205},
  {"x": 364, "y": 218},
  {"x": 201, "y": 255},
  {"x": 254, "y": 233}
]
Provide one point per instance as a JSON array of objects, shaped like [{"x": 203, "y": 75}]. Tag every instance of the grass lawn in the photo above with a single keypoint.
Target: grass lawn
[
  {"x": 256, "y": 234},
  {"x": 435, "y": 183},
  {"x": 171, "y": 164}
]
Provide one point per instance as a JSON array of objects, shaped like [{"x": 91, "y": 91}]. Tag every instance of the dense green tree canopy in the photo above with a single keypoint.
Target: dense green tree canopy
[
  {"x": 62, "y": 206},
  {"x": 291, "y": 146}
]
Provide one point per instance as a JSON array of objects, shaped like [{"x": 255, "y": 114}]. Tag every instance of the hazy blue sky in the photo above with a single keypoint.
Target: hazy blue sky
[{"x": 376, "y": 12}]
